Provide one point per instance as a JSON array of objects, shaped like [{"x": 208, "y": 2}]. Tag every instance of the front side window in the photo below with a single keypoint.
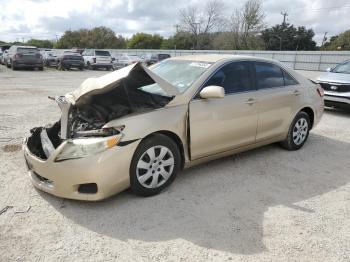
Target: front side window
[
  {"x": 234, "y": 78},
  {"x": 268, "y": 75}
]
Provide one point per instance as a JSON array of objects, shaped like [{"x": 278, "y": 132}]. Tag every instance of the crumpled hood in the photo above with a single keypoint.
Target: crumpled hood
[
  {"x": 105, "y": 83},
  {"x": 335, "y": 78}
]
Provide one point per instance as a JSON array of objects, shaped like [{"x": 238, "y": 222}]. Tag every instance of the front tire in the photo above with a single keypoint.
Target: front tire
[
  {"x": 298, "y": 132},
  {"x": 154, "y": 166}
]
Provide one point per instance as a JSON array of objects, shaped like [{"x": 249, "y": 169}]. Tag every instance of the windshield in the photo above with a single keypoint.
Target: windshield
[
  {"x": 342, "y": 68},
  {"x": 26, "y": 50},
  {"x": 179, "y": 73},
  {"x": 102, "y": 53}
]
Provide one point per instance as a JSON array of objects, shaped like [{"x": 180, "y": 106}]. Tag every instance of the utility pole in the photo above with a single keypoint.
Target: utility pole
[
  {"x": 324, "y": 38},
  {"x": 285, "y": 14},
  {"x": 196, "y": 24}
]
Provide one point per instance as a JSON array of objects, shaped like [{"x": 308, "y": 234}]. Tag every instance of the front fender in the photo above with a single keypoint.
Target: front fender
[{"x": 171, "y": 118}]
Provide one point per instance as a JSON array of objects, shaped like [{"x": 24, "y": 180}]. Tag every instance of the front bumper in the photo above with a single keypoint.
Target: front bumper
[
  {"x": 109, "y": 170},
  {"x": 337, "y": 97}
]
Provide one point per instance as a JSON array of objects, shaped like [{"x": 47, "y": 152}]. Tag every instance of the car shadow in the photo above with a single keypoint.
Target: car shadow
[
  {"x": 220, "y": 204},
  {"x": 337, "y": 111}
]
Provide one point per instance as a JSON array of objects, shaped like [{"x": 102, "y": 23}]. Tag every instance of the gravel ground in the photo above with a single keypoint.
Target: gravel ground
[{"x": 267, "y": 204}]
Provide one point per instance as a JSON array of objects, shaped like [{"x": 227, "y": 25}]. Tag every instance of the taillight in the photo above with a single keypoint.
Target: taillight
[
  {"x": 18, "y": 55},
  {"x": 38, "y": 56},
  {"x": 94, "y": 59},
  {"x": 320, "y": 90}
]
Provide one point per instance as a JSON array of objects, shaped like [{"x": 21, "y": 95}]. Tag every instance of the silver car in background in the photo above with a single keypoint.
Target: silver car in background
[
  {"x": 336, "y": 85},
  {"x": 124, "y": 60},
  {"x": 50, "y": 58}
]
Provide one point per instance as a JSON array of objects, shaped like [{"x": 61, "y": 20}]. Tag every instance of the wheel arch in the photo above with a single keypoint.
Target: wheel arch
[
  {"x": 175, "y": 138},
  {"x": 310, "y": 112}
]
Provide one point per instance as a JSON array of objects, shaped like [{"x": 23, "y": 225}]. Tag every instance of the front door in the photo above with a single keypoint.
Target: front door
[{"x": 221, "y": 124}]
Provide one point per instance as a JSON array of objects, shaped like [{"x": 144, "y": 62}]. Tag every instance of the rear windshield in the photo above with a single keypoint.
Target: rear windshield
[
  {"x": 27, "y": 50},
  {"x": 102, "y": 53},
  {"x": 163, "y": 56}
]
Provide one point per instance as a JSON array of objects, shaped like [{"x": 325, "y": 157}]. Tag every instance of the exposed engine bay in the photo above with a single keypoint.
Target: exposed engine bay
[{"x": 88, "y": 114}]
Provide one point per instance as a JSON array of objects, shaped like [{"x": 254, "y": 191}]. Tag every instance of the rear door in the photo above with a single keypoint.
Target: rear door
[
  {"x": 278, "y": 94},
  {"x": 221, "y": 124}
]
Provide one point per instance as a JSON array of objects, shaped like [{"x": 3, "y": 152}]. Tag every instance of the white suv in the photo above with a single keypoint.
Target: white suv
[{"x": 94, "y": 59}]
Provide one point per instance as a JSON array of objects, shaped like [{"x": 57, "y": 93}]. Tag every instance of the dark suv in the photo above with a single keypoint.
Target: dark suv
[
  {"x": 155, "y": 58},
  {"x": 70, "y": 60},
  {"x": 24, "y": 57}
]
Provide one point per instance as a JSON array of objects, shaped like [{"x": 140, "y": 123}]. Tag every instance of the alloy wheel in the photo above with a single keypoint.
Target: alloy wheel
[
  {"x": 300, "y": 130},
  {"x": 155, "y": 166}
]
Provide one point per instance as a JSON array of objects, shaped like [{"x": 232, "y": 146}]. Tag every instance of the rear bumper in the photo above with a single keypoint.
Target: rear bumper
[
  {"x": 78, "y": 64},
  {"x": 108, "y": 170},
  {"x": 102, "y": 65},
  {"x": 28, "y": 64}
]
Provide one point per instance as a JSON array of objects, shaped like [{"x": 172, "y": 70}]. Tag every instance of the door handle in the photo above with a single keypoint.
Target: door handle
[
  {"x": 251, "y": 101},
  {"x": 296, "y": 92}
]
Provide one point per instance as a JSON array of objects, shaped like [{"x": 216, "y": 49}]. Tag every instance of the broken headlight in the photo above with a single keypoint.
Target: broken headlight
[{"x": 84, "y": 147}]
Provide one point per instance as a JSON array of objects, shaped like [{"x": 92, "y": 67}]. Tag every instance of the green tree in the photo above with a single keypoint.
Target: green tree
[
  {"x": 339, "y": 42},
  {"x": 288, "y": 37},
  {"x": 40, "y": 43},
  {"x": 181, "y": 40},
  {"x": 145, "y": 41},
  {"x": 98, "y": 37}
]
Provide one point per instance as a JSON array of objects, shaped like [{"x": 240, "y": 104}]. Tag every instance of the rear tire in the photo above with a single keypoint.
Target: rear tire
[
  {"x": 298, "y": 132},
  {"x": 89, "y": 66},
  {"x": 13, "y": 66},
  {"x": 154, "y": 166}
]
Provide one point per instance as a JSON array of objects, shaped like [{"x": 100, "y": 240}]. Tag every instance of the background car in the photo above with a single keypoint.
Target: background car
[
  {"x": 24, "y": 57},
  {"x": 50, "y": 58},
  {"x": 151, "y": 59},
  {"x": 125, "y": 60},
  {"x": 3, "y": 52},
  {"x": 69, "y": 60},
  {"x": 4, "y": 57},
  {"x": 95, "y": 59},
  {"x": 336, "y": 85}
]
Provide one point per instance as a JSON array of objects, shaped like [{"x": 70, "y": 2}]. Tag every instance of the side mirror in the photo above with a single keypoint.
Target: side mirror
[
  {"x": 212, "y": 92},
  {"x": 329, "y": 69}
]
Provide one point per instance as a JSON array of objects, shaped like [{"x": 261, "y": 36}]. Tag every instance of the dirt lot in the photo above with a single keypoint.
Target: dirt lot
[{"x": 264, "y": 205}]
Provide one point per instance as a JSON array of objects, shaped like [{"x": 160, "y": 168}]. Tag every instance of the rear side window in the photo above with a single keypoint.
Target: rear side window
[
  {"x": 288, "y": 80},
  {"x": 268, "y": 75},
  {"x": 102, "y": 53},
  {"x": 234, "y": 78}
]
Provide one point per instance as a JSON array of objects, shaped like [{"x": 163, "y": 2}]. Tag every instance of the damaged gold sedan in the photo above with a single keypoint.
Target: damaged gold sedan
[{"x": 138, "y": 127}]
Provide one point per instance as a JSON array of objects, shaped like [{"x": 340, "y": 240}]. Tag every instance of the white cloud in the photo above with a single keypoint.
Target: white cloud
[{"x": 47, "y": 18}]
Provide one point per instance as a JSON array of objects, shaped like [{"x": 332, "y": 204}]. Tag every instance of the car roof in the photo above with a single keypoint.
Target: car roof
[
  {"x": 213, "y": 58},
  {"x": 25, "y": 46}
]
